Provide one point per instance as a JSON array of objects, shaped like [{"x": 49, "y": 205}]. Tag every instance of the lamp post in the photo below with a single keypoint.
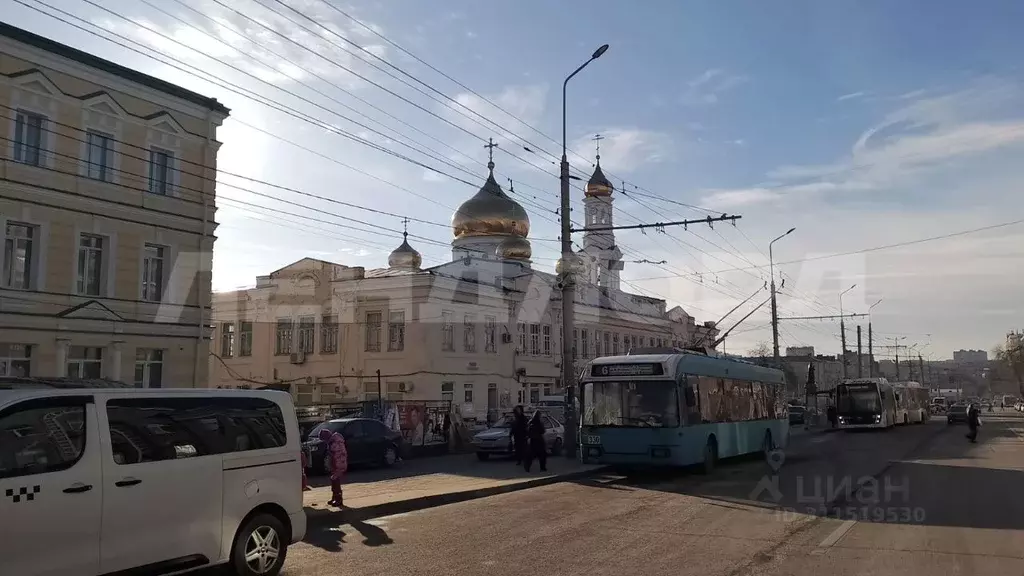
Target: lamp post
[
  {"x": 568, "y": 269},
  {"x": 842, "y": 330},
  {"x": 871, "y": 351},
  {"x": 775, "y": 307}
]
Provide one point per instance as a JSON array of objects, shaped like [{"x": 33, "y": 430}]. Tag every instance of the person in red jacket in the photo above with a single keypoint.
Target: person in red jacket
[{"x": 339, "y": 463}]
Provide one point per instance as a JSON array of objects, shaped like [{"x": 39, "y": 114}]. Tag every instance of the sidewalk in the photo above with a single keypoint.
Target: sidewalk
[{"x": 428, "y": 482}]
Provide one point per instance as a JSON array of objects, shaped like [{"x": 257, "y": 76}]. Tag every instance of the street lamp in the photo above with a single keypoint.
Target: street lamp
[
  {"x": 568, "y": 272},
  {"x": 775, "y": 308},
  {"x": 842, "y": 329}
]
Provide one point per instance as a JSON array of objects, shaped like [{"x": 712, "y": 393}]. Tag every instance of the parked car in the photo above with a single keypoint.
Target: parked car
[
  {"x": 957, "y": 414},
  {"x": 368, "y": 441},
  {"x": 797, "y": 415},
  {"x": 128, "y": 480},
  {"x": 497, "y": 440}
]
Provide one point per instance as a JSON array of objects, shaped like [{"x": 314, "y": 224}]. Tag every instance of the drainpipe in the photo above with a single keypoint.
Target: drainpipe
[{"x": 204, "y": 296}]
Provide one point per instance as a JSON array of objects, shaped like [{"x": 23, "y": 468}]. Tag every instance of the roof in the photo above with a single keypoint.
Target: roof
[{"x": 37, "y": 41}]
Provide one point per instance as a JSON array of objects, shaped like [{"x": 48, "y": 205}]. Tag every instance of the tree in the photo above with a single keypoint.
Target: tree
[
  {"x": 762, "y": 350},
  {"x": 1013, "y": 360}
]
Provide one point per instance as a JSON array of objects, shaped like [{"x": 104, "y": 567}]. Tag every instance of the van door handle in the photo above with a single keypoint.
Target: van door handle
[
  {"x": 127, "y": 482},
  {"x": 77, "y": 487}
]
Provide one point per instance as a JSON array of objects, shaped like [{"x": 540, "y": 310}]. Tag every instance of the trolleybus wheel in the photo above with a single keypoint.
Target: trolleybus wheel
[{"x": 768, "y": 446}]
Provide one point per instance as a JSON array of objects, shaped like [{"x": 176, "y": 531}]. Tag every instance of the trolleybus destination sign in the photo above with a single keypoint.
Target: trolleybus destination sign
[{"x": 644, "y": 369}]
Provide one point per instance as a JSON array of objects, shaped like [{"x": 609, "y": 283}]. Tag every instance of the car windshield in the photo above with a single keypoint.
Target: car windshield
[
  {"x": 504, "y": 422},
  {"x": 858, "y": 399},
  {"x": 959, "y": 408},
  {"x": 644, "y": 403}
]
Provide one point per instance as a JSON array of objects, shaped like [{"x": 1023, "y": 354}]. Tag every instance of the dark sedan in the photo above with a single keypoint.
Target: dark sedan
[
  {"x": 366, "y": 440},
  {"x": 957, "y": 414},
  {"x": 797, "y": 414}
]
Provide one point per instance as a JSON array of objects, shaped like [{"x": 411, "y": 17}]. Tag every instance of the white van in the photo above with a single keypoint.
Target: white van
[{"x": 110, "y": 480}]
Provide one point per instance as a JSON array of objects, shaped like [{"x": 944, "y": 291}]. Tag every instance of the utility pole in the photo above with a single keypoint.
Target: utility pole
[
  {"x": 842, "y": 330},
  {"x": 775, "y": 306},
  {"x": 871, "y": 353},
  {"x": 860, "y": 356},
  {"x": 897, "y": 349},
  {"x": 920, "y": 364}
]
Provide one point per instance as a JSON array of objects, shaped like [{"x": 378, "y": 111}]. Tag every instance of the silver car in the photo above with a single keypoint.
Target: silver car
[{"x": 497, "y": 440}]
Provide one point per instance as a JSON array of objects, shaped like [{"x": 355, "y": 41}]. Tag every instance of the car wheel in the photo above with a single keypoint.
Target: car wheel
[
  {"x": 260, "y": 547},
  {"x": 556, "y": 448},
  {"x": 710, "y": 456},
  {"x": 390, "y": 456},
  {"x": 482, "y": 456}
]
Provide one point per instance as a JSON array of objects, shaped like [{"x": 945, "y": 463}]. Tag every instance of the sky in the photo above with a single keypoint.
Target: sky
[{"x": 867, "y": 126}]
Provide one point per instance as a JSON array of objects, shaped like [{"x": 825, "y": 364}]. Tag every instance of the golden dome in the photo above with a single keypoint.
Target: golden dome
[
  {"x": 490, "y": 212},
  {"x": 405, "y": 256},
  {"x": 598, "y": 184},
  {"x": 514, "y": 248}
]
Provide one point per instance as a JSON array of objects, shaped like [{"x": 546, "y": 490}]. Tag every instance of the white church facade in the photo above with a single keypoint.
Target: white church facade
[{"x": 482, "y": 331}]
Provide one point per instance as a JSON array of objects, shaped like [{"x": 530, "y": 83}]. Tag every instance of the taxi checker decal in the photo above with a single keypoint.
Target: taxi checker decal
[{"x": 23, "y": 492}]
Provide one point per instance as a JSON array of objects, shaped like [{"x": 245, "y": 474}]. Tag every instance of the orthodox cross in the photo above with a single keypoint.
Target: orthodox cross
[
  {"x": 597, "y": 141},
  {"x": 405, "y": 227},
  {"x": 490, "y": 149}
]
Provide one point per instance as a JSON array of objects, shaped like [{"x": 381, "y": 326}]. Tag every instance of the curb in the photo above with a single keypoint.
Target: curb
[{"x": 435, "y": 500}]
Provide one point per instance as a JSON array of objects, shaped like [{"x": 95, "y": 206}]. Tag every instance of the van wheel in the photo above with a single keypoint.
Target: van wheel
[
  {"x": 260, "y": 547},
  {"x": 710, "y": 456}
]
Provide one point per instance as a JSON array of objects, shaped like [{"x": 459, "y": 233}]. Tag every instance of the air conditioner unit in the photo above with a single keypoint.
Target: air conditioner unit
[
  {"x": 297, "y": 357},
  {"x": 405, "y": 387},
  {"x": 506, "y": 338}
]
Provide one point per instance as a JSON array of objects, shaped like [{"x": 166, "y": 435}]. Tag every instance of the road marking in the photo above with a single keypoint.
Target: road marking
[
  {"x": 821, "y": 439},
  {"x": 834, "y": 537}
]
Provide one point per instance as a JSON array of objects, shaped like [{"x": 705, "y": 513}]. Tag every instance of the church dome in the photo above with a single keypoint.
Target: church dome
[
  {"x": 598, "y": 184},
  {"x": 514, "y": 248},
  {"x": 490, "y": 212},
  {"x": 405, "y": 256}
]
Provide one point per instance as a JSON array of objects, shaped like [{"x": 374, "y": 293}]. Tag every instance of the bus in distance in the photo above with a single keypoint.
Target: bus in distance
[
  {"x": 865, "y": 403},
  {"x": 912, "y": 405},
  {"x": 679, "y": 409}
]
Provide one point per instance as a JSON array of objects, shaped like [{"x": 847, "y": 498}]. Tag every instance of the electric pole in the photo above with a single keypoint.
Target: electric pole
[
  {"x": 775, "y": 306},
  {"x": 871, "y": 353},
  {"x": 842, "y": 331},
  {"x": 920, "y": 363},
  {"x": 860, "y": 356}
]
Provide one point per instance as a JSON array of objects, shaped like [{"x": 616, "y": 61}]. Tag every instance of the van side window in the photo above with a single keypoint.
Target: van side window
[
  {"x": 155, "y": 429},
  {"x": 42, "y": 435}
]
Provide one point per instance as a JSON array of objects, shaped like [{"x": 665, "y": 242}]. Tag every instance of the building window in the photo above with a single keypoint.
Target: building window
[
  {"x": 584, "y": 344},
  {"x": 535, "y": 339},
  {"x": 633, "y": 342},
  {"x": 468, "y": 391},
  {"x": 245, "y": 338},
  {"x": 469, "y": 334},
  {"x": 329, "y": 334},
  {"x": 90, "y": 264},
  {"x": 522, "y": 337},
  {"x": 307, "y": 334},
  {"x": 447, "y": 391},
  {"x": 615, "y": 344},
  {"x": 227, "y": 339},
  {"x": 373, "y": 320},
  {"x": 396, "y": 331},
  {"x": 85, "y": 362},
  {"x": 161, "y": 171},
  {"x": 283, "y": 337},
  {"x": 29, "y": 138},
  {"x": 608, "y": 343},
  {"x": 534, "y": 394},
  {"x": 598, "y": 349},
  {"x": 153, "y": 273},
  {"x": 99, "y": 155},
  {"x": 447, "y": 332},
  {"x": 19, "y": 250},
  {"x": 15, "y": 360},
  {"x": 149, "y": 367},
  {"x": 489, "y": 327},
  {"x": 575, "y": 343},
  {"x": 547, "y": 339}
]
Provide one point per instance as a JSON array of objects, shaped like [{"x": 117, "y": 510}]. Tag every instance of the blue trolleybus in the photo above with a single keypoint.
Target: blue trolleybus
[{"x": 679, "y": 409}]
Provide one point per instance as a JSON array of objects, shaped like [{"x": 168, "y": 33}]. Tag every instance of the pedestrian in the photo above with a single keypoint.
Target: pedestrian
[
  {"x": 537, "y": 449},
  {"x": 973, "y": 422},
  {"x": 305, "y": 463},
  {"x": 519, "y": 434},
  {"x": 339, "y": 463},
  {"x": 446, "y": 427}
]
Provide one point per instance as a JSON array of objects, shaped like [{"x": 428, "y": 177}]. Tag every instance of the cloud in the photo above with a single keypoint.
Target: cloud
[
  {"x": 920, "y": 138},
  {"x": 850, "y": 96},
  {"x": 707, "y": 88},
  {"x": 627, "y": 149},
  {"x": 516, "y": 105},
  {"x": 279, "y": 46}
]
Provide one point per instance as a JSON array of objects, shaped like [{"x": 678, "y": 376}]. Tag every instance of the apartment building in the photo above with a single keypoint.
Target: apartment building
[{"x": 107, "y": 208}]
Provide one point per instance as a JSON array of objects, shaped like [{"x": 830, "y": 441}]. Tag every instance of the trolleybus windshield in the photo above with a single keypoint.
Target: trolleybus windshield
[
  {"x": 858, "y": 399},
  {"x": 631, "y": 403}
]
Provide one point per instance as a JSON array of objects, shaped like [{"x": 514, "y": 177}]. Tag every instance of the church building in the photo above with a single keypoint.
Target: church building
[{"x": 482, "y": 331}]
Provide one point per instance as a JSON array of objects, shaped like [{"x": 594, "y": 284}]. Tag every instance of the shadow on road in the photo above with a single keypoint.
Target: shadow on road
[{"x": 331, "y": 538}]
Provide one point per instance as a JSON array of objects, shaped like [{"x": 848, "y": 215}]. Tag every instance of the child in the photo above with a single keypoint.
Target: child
[{"x": 305, "y": 481}]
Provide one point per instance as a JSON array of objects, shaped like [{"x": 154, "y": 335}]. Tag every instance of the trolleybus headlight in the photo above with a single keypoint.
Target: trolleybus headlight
[{"x": 878, "y": 418}]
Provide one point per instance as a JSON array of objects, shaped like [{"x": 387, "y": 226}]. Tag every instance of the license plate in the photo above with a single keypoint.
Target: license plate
[{"x": 591, "y": 439}]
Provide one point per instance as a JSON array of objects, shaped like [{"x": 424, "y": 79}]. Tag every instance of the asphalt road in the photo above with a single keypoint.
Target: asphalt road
[{"x": 913, "y": 500}]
